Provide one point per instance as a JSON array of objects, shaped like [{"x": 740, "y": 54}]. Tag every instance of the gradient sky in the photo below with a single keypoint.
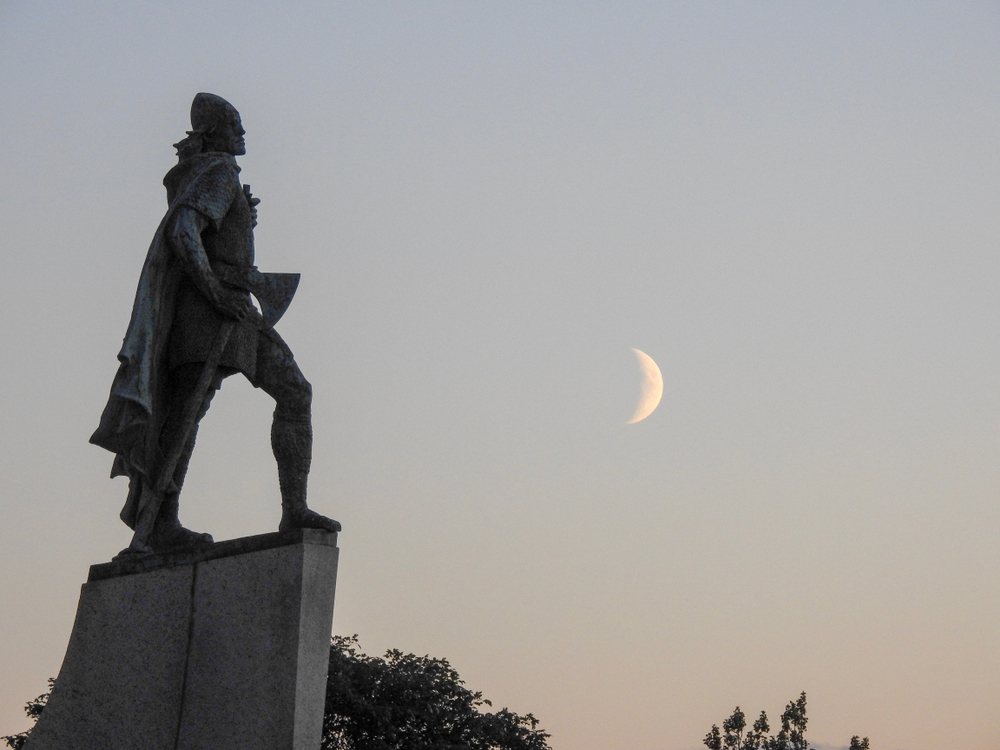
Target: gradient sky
[{"x": 792, "y": 207}]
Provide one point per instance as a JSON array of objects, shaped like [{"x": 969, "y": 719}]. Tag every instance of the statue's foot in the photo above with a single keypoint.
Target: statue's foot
[
  {"x": 132, "y": 551},
  {"x": 303, "y": 518},
  {"x": 168, "y": 538}
]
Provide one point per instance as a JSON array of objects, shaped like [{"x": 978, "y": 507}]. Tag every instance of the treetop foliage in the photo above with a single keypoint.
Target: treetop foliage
[
  {"x": 791, "y": 736},
  {"x": 409, "y": 702},
  {"x": 34, "y": 710}
]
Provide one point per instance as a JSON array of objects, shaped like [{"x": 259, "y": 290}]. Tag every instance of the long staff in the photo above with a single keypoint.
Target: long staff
[{"x": 153, "y": 495}]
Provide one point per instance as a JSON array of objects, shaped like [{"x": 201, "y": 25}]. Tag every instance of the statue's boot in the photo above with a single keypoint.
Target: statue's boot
[
  {"x": 291, "y": 441},
  {"x": 168, "y": 533}
]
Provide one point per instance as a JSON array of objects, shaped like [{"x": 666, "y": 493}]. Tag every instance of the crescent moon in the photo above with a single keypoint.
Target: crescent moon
[{"x": 652, "y": 387}]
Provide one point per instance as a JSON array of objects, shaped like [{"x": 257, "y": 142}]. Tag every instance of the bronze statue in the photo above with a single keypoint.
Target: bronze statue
[{"x": 192, "y": 325}]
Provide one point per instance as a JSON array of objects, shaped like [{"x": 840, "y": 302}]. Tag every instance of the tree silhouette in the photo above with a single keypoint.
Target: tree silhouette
[
  {"x": 792, "y": 735},
  {"x": 409, "y": 702},
  {"x": 34, "y": 710}
]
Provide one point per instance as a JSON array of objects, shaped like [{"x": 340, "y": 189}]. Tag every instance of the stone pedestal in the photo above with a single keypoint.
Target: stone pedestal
[{"x": 223, "y": 649}]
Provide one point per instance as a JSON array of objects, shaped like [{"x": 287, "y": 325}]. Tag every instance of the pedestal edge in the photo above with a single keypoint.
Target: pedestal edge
[{"x": 135, "y": 564}]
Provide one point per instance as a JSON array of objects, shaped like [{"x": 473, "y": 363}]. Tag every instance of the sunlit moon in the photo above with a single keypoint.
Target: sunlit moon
[{"x": 652, "y": 387}]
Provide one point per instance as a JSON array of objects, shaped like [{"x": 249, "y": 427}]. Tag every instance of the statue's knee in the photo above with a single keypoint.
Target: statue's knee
[
  {"x": 304, "y": 396},
  {"x": 296, "y": 405}
]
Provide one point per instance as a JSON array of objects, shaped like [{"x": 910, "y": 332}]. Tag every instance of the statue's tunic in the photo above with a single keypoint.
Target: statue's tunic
[
  {"x": 172, "y": 323},
  {"x": 217, "y": 194}
]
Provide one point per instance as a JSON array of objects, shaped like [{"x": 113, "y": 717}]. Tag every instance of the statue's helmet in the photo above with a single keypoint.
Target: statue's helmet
[{"x": 208, "y": 111}]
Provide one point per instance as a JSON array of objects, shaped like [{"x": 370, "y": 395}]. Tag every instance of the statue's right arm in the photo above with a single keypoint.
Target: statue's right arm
[{"x": 184, "y": 232}]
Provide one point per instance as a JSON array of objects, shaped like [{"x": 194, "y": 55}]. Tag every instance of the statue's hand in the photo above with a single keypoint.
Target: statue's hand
[
  {"x": 232, "y": 304},
  {"x": 253, "y": 205}
]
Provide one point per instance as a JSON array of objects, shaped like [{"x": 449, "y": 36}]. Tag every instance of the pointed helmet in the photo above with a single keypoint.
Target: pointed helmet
[{"x": 209, "y": 110}]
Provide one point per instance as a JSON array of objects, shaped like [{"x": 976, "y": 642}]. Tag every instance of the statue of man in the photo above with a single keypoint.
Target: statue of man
[{"x": 185, "y": 296}]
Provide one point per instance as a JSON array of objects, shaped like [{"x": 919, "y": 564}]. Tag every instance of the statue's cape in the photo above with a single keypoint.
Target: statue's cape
[{"x": 132, "y": 420}]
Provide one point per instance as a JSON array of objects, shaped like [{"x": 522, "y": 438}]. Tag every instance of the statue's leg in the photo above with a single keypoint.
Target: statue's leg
[
  {"x": 291, "y": 431},
  {"x": 180, "y": 386}
]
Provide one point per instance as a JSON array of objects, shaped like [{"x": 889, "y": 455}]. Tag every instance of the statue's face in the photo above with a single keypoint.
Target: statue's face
[{"x": 230, "y": 136}]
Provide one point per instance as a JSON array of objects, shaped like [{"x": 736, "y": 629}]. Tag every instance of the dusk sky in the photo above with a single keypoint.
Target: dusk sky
[{"x": 791, "y": 207}]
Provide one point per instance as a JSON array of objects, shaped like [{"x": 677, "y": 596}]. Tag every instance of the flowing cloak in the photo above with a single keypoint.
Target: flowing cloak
[{"x": 131, "y": 423}]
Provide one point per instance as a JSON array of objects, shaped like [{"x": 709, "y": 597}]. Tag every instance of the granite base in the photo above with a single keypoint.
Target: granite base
[{"x": 225, "y": 648}]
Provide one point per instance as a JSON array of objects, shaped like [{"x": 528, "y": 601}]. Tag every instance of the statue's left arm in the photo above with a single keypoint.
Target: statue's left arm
[{"x": 184, "y": 232}]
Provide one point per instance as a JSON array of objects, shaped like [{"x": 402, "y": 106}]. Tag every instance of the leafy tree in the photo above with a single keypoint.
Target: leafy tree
[
  {"x": 733, "y": 737},
  {"x": 400, "y": 702},
  {"x": 791, "y": 735},
  {"x": 34, "y": 710},
  {"x": 408, "y": 702}
]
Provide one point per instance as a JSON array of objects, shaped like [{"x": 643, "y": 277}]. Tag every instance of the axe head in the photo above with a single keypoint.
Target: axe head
[{"x": 274, "y": 292}]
